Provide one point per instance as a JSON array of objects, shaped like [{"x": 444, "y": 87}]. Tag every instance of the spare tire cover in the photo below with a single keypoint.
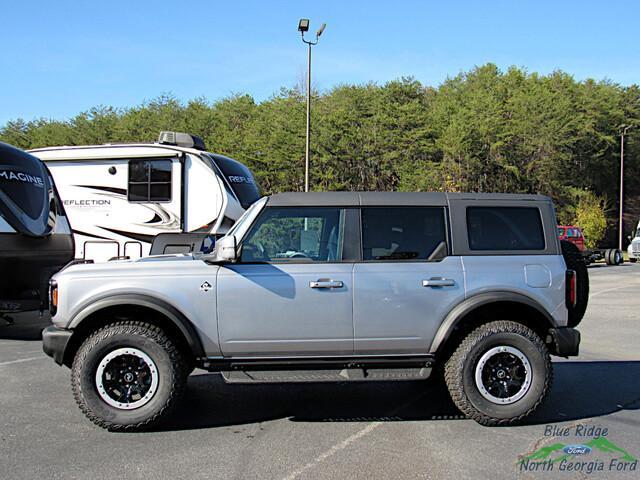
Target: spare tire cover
[
  {"x": 26, "y": 193},
  {"x": 574, "y": 261}
]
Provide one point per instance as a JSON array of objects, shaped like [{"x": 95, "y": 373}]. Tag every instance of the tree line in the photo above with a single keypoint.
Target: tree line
[{"x": 484, "y": 130}]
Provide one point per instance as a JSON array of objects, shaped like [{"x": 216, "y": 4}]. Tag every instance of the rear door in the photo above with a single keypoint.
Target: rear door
[{"x": 406, "y": 281}]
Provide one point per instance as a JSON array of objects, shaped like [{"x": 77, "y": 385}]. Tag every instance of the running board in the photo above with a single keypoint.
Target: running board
[
  {"x": 325, "y": 375},
  {"x": 321, "y": 369}
]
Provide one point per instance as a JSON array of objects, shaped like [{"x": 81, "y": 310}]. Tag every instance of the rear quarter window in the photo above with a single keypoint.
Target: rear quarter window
[{"x": 505, "y": 228}]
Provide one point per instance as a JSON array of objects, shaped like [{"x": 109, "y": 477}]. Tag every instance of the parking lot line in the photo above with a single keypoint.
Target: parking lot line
[
  {"x": 41, "y": 357},
  {"x": 595, "y": 294},
  {"x": 347, "y": 441}
]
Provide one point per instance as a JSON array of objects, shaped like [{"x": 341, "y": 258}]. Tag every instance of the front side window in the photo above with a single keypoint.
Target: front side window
[
  {"x": 403, "y": 233},
  {"x": 291, "y": 234},
  {"x": 150, "y": 181},
  {"x": 505, "y": 228}
]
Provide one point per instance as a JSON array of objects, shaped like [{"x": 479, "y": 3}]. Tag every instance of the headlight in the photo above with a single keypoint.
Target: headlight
[{"x": 53, "y": 297}]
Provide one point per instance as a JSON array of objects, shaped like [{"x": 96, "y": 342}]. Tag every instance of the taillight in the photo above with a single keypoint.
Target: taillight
[
  {"x": 572, "y": 283},
  {"x": 53, "y": 297}
]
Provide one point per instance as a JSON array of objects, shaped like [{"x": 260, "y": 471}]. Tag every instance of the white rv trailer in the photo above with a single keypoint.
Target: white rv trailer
[{"x": 118, "y": 197}]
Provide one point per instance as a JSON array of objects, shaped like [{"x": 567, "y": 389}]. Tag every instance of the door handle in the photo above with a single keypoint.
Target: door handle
[
  {"x": 438, "y": 282},
  {"x": 326, "y": 284}
]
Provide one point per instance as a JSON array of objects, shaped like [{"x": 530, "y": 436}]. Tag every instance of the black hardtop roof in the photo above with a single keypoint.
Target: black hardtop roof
[{"x": 343, "y": 199}]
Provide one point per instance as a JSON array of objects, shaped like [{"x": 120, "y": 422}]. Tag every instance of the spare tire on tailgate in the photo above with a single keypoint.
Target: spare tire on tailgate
[{"x": 574, "y": 260}]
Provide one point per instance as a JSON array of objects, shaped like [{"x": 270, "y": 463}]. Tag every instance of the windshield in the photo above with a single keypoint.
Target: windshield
[{"x": 240, "y": 178}]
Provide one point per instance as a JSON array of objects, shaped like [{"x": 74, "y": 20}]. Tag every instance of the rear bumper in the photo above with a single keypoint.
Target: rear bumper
[
  {"x": 564, "y": 342},
  {"x": 54, "y": 342}
]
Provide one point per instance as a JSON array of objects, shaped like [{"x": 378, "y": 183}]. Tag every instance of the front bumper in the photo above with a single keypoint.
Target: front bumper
[
  {"x": 564, "y": 342},
  {"x": 55, "y": 341}
]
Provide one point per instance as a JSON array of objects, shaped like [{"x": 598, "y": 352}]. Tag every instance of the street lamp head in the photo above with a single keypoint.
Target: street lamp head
[
  {"x": 303, "y": 25},
  {"x": 321, "y": 29}
]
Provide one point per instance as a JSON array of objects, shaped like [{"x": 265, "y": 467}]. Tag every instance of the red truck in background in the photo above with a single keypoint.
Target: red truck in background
[{"x": 573, "y": 234}]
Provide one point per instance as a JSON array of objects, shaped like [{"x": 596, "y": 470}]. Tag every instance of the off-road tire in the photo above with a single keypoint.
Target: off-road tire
[
  {"x": 172, "y": 371},
  {"x": 575, "y": 261},
  {"x": 460, "y": 373}
]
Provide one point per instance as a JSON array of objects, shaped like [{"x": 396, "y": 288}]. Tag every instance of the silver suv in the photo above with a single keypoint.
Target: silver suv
[{"x": 332, "y": 287}]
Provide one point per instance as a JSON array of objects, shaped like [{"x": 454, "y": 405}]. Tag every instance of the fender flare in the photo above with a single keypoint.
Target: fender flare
[
  {"x": 169, "y": 311},
  {"x": 465, "y": 307}
]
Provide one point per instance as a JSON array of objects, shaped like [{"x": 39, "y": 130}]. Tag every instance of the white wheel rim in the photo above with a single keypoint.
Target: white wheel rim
[
  {"x": 491, "y": 378},
  {"x": 108, "y": 383}
]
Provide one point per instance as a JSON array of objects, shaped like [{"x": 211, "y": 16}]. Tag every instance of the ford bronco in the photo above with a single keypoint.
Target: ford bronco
[{"x": 332, "y": 287}]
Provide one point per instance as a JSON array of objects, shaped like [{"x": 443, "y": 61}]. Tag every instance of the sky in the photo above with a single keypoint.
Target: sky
[{"x": 60, "y": 58}]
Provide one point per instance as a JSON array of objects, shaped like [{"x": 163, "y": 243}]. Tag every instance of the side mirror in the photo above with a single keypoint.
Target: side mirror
[{"x": 225, "y": 249}]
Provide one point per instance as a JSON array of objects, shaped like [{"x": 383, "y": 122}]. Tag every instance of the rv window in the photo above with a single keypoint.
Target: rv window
[{"x": 149, "y": 180}]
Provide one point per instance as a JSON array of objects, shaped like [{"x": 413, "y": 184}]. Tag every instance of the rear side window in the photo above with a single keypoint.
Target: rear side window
[
  {"x": 149, "y": 181},
  {"x": 403, "y": 233},
  {"x": 505, "y": 228}
]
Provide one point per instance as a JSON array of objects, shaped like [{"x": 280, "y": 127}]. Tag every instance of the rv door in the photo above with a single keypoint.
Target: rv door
[{"x": 35, "y": 237}]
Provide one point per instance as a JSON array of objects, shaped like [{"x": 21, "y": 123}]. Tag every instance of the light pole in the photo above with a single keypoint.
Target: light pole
[
  {"x": 303, "y": 26},
  {"x": 623, "y": 132}
]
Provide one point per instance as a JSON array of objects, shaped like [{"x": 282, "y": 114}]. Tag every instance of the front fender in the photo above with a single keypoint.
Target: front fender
[{"x": 160, "y": 306}]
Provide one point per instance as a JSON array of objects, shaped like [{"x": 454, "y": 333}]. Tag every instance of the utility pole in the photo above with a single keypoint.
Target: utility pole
[
  {"x": 303, "y": 26},
  {"x": 623, "y": 132}
]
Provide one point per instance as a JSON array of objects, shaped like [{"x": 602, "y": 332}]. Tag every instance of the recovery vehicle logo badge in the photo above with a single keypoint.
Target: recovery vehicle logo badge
[{"x": 205, "y": 287}]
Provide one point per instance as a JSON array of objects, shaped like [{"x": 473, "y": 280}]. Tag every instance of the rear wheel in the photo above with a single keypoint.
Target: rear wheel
[
  {"x": 500, "y": 373},
  {"x": 633, "y": 260},
  {"x": 128, "y": 376}
]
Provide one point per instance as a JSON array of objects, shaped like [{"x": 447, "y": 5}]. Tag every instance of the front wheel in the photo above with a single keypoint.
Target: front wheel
[
  {"x": 499, "y": 374},
  {"x": 128, "y": 376}
]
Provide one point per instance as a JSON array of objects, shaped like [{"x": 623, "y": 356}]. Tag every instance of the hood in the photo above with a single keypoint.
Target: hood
[
  {"x": 27, "y": 195},
  {"x": 140, "y": 266}
]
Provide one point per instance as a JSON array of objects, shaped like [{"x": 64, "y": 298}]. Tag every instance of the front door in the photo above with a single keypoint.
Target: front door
[
  {"x": 291, "y": 293},
  {"x": 406, "y": 282}
]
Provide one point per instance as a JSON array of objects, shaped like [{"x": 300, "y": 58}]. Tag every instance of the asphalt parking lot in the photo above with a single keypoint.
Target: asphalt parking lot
[{"x": 321, "y": 431}]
